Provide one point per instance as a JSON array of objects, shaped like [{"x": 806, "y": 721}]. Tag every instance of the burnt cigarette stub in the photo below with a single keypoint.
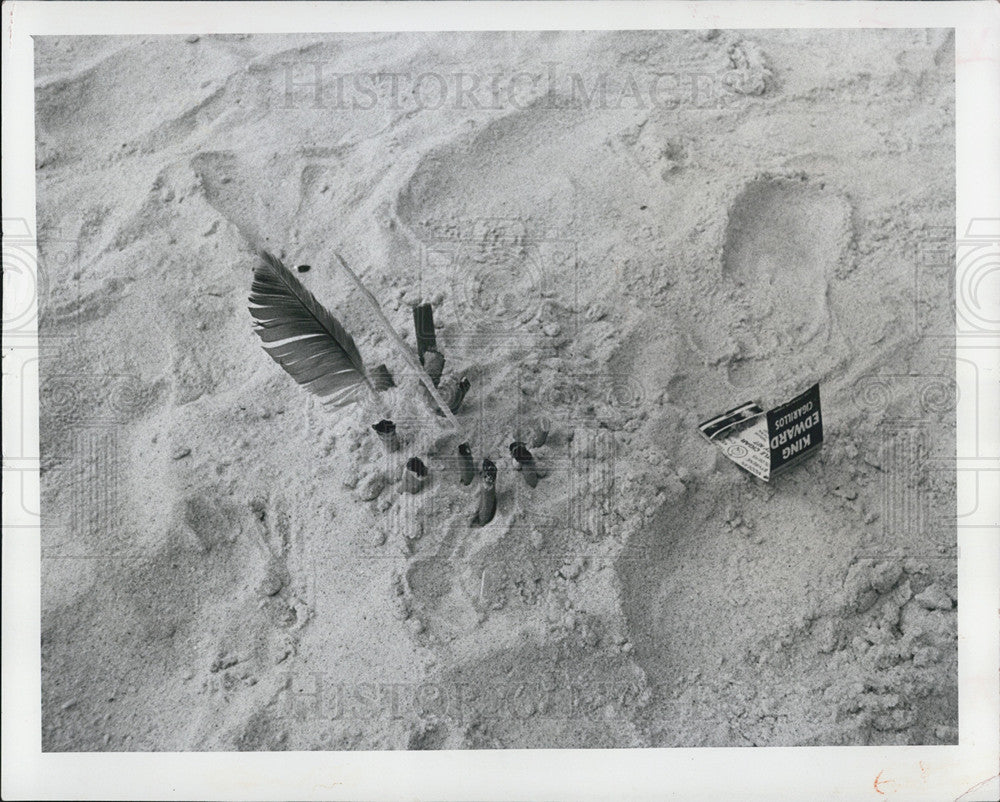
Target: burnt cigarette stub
[
  {"x": 414, "y": 475},
  {"x": 434, "y": 365},
  {"x": 519, "y": 451},
  {"x": 416, "y": 466},
  {"x": 457, "y": 394},
  {"x": 381, "y": 378},
  {"x": 467, "y": 469},
  {"x": 524, "y": 462},
  {"x": 453, "y": 393},
  {"x": 386, "y": 431},
  {"x": 423, "y": 326},
  {"x": 487, "y": 496}
]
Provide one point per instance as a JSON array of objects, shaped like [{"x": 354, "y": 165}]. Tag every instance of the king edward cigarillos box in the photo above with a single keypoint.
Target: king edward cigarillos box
[{"x": 767, "y": 443}]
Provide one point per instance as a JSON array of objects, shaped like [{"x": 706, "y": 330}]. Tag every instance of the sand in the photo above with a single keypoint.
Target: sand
[{"x": 229, "y": 565}]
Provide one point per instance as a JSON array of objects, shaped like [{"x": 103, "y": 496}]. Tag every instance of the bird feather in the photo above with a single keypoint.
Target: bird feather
[{"x": 302, "y": 336}]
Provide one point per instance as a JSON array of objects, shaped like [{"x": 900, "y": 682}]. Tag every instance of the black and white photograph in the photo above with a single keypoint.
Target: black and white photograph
[
  {"x": 375, "y": 424},
  {"x": 497, "y": 389}
]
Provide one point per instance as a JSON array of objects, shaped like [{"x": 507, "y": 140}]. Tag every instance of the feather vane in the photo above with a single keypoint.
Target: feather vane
[{"x": 302, "y": 336}]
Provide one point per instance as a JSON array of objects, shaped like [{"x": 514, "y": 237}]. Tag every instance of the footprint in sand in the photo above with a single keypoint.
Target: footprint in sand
[
  {"x": 232, "y": 185},
  {"x": 783, "y": 241}
]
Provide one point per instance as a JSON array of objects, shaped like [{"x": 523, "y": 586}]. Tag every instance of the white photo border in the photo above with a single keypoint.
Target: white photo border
[{"x": 964, "y": 772}]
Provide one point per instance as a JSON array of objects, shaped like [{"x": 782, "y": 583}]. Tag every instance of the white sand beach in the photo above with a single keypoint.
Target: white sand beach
[{"x": 621, "y": 234}]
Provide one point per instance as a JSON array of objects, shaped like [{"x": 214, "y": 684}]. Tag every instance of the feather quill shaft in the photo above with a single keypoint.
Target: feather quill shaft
[{"x": 400, "y": 345}]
